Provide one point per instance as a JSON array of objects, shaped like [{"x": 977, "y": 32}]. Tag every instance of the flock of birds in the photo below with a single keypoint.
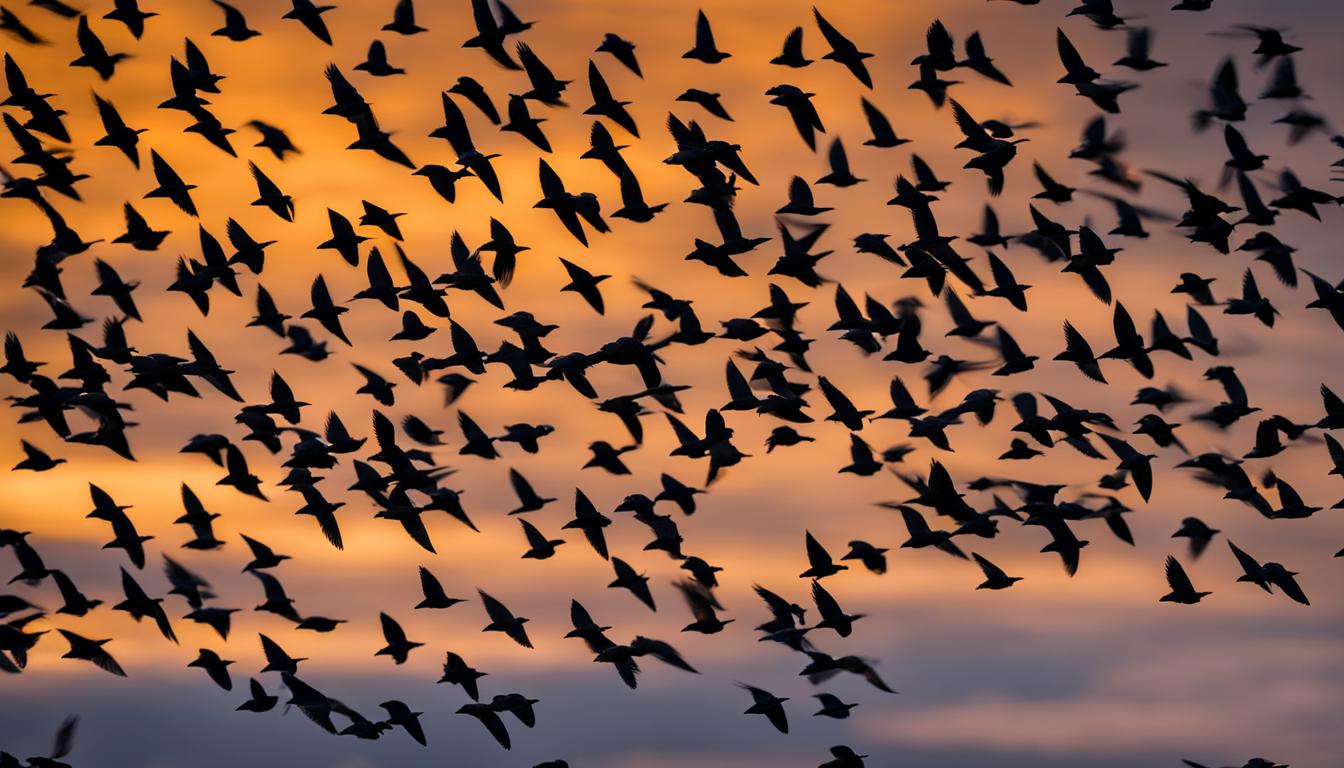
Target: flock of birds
[{"x": 398, "y": 470}]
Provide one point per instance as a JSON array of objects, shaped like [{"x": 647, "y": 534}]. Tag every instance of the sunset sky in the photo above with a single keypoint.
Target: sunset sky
[{"x": 1056, "y": 672}]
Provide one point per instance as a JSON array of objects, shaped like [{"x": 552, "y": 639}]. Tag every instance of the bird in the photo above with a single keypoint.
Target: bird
[
  {"x": 995, "y": 578},
  {"x": 623, "y": 50},
  {"x": 270, "y": 196},
  {"x": 1251, "y": 302},
  {"x": 1182, "y": 591},
  {"x": 457, "y": 672},
  {"x": 820, "y": 563},
  {"x": 845, "y": 757},
  {"x": 921, "y": 535},
  {"x": 539, "y": 547},
  {"x": 801, "y": 111},
  {"x": 1199, "y": 534},
  {"x": 637, "y": 584},
  {"x": 488, "y": 717},
  {"x": 979, "y": 61},
  {"x": 591, "y": 522},
  {"x": 1076, "y": 71},
  {"x": 215, "y": 667},
  {"x": 276, "y": 658},
  {"x": 571, "y": 209},
  {"x": 399, "y": 714},
  {"x": 1138, "y": 465},
  {"x": 607, "y": 105},
  {"x": 398, "y": 646},
  {"x": 403, "y": 22},
  {"x": 1079, "y": 352},
  {"x": 545, "y": 87},
  {"x": 94, "y": 54},
  {"x": 832, "y": 616},
  {"x": 15, "y": 26},
  {"x": 503, "y": 620},
  {"x": 117, "y": 133},
  {"x": 524, "y": 124},
  {"x": 309, "y": 15},
  {"x": 585, "y": 284},
  {"x": 704, "y": 49},
  {"x": 822, "y": 667},
  {"x": 1267, "y": 575},
  {"x": 884, "y": 136},
  {"x": 710, "y": 101},
  {"x": 86, "y": 649},
  {"x": 769, "y": 705},
  {"x": 235, "y": 24},
  {"x": 843, "y": 51},
  {"x": 434, "y": 594},
  {"x": 832, "y": 706},
  {"x": 35, "y": 459},
  {"x": 259, "y": 700},
  {"x": 873, "y": 558},
  {"x": 325, "y": 311},
  {"x": 262, "y": 555},
  {"x": 529, "y": 500},
  {"x": 170, "y": 185}
]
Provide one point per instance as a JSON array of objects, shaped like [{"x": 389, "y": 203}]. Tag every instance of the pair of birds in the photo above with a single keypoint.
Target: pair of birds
[{"x": 1264, "y": 575}]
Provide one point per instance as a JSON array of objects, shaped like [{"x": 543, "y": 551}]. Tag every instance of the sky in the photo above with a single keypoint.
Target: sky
[{"x": 1055, "y": 672}]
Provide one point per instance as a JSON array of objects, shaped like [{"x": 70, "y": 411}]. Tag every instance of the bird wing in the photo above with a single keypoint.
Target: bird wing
[
  {"x": 1285, "y": 581},
  {"x": 1008, "y": 346},
  {"x": 704, "y": 35},
  {"x": 1177, "y": 578},
  {"x": 939, "y": 40},
  {"x": 971, "y": 129},
  {"x": 991, "y": 570},
  {"x": 914, "y": 521},
  {"x": 1249, "y": 565},
  {"x": 1125, "y": 331},
  {"x": 1068, "y": 55},
  {"x": 392, "y": 631},
  {"x": 597, "y": 85},
  {"x": 816, "y": 553},
  {"x": 826, "y": 604},
  {"x": 1076, "y": 344}
]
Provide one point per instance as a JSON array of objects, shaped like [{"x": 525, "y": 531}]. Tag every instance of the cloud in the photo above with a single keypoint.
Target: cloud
[{"x": 1189, "y": 699}]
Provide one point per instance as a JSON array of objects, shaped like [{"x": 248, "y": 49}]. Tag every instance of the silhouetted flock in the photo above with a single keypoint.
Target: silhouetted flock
[{"x": 68, "y": 406}]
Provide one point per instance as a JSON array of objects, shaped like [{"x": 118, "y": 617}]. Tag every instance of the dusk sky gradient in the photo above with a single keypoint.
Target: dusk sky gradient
[{"x": 1056, "y": 672}]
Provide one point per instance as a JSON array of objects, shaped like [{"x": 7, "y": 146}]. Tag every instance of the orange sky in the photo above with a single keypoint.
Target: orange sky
[{"x": 1057, "y": 671}]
